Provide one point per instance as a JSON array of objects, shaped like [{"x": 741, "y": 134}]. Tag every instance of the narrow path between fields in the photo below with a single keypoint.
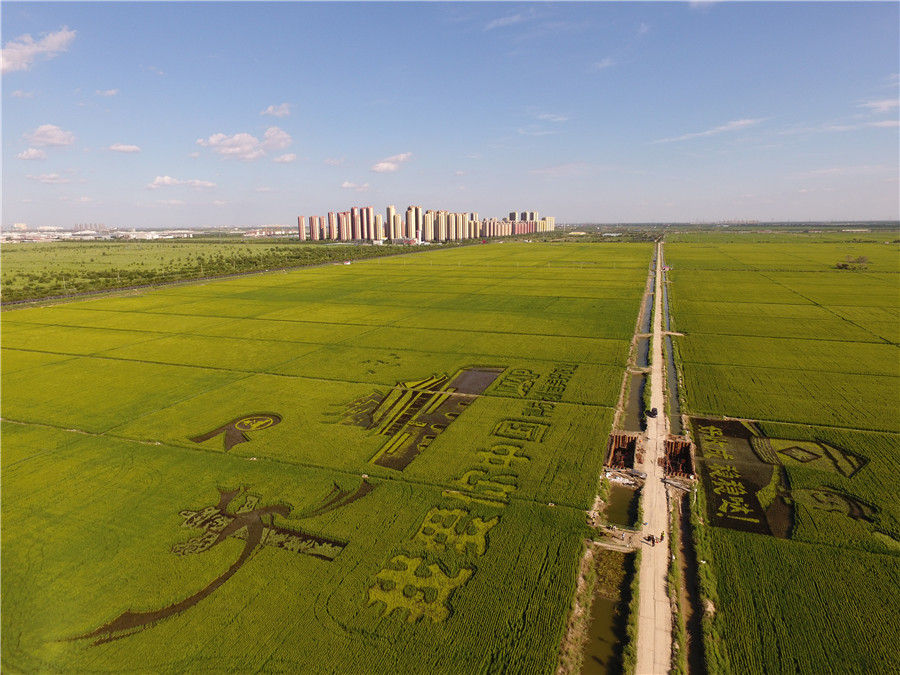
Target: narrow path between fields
[{"x": 654, "y": 638}]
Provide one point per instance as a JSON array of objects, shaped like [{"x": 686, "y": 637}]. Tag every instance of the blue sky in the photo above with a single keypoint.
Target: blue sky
[{"x": 182, "y": 114}]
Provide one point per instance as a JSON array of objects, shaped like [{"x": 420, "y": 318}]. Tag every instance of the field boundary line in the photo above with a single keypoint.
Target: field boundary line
[
  {"x": 802, "y": 370},
  {"x": 758, "y": 271},
  {"x": 251, "y": 373},
  {"x": 327, "y": 323},
  {"x": 718, "y": 416},
  {"x": 784, "y": 337},
  {"x": 318, "y": 323},
  {"x": 264, "y": 458},
  {"x": 13, "y": 304}
]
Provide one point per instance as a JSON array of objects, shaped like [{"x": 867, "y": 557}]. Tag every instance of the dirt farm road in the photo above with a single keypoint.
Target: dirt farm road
[{"x": 654, "y": 635}]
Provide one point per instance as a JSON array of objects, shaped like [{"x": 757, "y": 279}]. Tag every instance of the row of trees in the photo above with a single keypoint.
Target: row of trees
[{"x": 45, "y": 282}]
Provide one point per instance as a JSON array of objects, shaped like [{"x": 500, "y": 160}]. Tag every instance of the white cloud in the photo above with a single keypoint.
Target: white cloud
[
  {"x": 20, "y": 53},
  {"x": 245, "y": 146},
  {"x": 19, "y": 93},
  {"x": 534, "y": 131},
  {"x": 882, "y": 106},
  {"x": 168, "y": 181},
  {"x": 391, "y": 164},
  {"x": 459, "y": 173},
  {"x": 335, "y": 161},
  {"x": 264, "y": 189},
  {"x": 889, "y": 124},
  {"x": 643, "y": 29},
  {"x": 219, "y": 202},
  {"x": 171, "y": 202},
  {"x": 32, "y": 153},
  {"x": 83, "y": 200},
  {"x": 194, "y": 155},
  {"x": 50, "y": 135},
  {"x": 551, "y": 117},
  {"x": 154, "y": 69},
  {"x": 347, "y": 185},
  {"x": 603, "y": 64},
  {"x": 121, "y": 147},
  {"x": 282, "y": 110},
  {"x": 730, "y": 126},
  {"x": 276, "y": 139},
  {"x": 163, "y": 181},
  {"x": 285, "y": 159},
  {"x": 510, "y": 20},
  {"x": 49, "y": 178},
  {"x": 107, "y": 92}
]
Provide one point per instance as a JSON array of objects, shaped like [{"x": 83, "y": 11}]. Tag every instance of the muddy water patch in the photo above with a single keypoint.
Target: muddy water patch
[
  {"x": 609, "y": 613},
  {"x": 622, "y": 506}
]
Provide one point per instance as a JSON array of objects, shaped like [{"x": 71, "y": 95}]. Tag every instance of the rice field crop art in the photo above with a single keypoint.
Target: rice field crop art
[
  {"x": 791, "y": 397},
  {"x": 747, "y": 487},
  {"x": 272, "y": 473}
]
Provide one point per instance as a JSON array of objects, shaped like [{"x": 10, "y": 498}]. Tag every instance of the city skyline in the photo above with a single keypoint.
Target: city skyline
[
  {"x": 361, "y": 223},
  {"x": 210, "y": 114}
]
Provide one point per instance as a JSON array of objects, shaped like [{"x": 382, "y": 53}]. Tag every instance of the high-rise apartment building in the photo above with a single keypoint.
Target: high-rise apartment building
[
  {"x": 410, "y": 231},
  {"x": 379, "y": 227},
  {"x": 389, "y": 216},
  {"x": 417, "y": 233},
  {"x": 332, "y": 225},
  {"x": 428, "y": 226},
  {"x": 301, "y": 227},
  {"x": 355, "y": 223}
]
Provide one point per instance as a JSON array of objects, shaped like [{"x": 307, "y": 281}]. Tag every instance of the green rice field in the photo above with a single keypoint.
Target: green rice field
[
  {"x": 375, "y": 467},
  {"x": 774, "y": 332}
]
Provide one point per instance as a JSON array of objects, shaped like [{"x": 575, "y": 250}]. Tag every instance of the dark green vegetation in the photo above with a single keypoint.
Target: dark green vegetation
[
  {"x": 277, "y": 544},
  {"x": 776, "y": 332},
  {"x": 40, "y": 270}
]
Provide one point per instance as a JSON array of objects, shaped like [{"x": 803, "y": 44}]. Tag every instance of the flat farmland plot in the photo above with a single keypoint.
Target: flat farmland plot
[
  {"x": 814, "y": 370},
  {"x": 367, "y": 468}
]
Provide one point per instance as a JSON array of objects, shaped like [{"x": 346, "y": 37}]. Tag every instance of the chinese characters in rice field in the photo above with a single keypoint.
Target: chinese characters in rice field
[{"x": 420, "y": 589}]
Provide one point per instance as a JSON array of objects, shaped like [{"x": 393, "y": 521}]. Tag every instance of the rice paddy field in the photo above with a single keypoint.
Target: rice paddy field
[
  {"x": 374, "y": 467},
  {"x": 775, "y": 333}
]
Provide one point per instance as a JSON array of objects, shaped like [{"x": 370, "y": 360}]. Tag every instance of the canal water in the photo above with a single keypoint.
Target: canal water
[
  {"x": 671, "y": 374},
  {"x": 643, "y": 352},
  {"x": 648, "y": 314},
  {"x": 607, "y": 632},
  {"x": 634, "y": 406},
  {"x": 672, "y": 386}
]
